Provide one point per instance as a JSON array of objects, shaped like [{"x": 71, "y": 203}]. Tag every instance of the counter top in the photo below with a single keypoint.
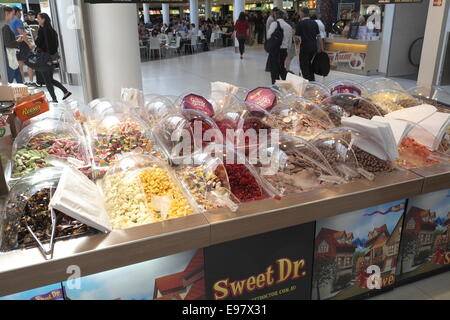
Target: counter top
[{"x": 350, "y": 41}]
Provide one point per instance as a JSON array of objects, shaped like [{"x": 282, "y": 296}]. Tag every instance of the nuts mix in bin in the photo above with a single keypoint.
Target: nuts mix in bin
[{"x": 200, "y": 183}]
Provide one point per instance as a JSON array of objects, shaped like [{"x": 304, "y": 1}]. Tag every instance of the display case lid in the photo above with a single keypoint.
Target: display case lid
[
  {"x": 301, "y": 118},
  {"x": 346, "y": 105},
  {"x": 346, "y": 86},
  {"x": 294, "y": 165},
  {"x": 316, "y": 92},
  {"x": 376, "y": 84},
  {"x": 390, "y": 100}
]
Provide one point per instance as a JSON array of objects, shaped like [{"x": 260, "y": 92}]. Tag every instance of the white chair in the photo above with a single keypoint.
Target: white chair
[
  {"x": 155, "y": 45},
  {"x": 193, "y": 44},
  {"x": 175, "y": 47},
  {"x": 145, "y": 49}
]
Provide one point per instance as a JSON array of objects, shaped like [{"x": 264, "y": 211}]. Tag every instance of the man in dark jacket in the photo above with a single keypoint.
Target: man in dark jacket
[
  {"x": 308, "y": 35},
  {"x": 11, "y": 42}
]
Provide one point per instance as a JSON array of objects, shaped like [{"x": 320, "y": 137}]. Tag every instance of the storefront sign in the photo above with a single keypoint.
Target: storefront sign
[
  {"x": 347, "y": 60},
  {"x": 274, "y": 265}
]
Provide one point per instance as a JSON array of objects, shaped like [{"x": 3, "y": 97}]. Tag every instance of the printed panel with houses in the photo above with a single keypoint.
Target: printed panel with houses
[
  {"x": 356, "y": 253},
  {"x": 425, "y": 247},
  {"x": 176, "y": 277}
]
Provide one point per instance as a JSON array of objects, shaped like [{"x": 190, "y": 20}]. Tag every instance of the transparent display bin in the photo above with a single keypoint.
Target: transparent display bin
[
  {"x": 47, "y": 143},
  {"x": 116, "y": 135},
  {"x": 28, "y": 222},
  {"x": 301, "y": 118},
  {"x": 141, "y": 189},
  {"x": 347, "y": 105}
]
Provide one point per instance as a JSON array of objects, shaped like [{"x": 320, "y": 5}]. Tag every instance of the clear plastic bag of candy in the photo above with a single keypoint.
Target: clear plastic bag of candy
[
  {"x": 389, "y": 100},
  {"x": 347, "y": 86},
  {"x": 347, "y": 105},
  {"x": 26, "y": 215},
  {"x": 301, "y": 118},
  {"x": 206, "y": 178},
  {"x": 48, "y": 143},
  {"x": 379, "y": 84},
  {"x": 133, "y": 97},
  {"x": 141, "y": 189},
  {"x": 294, "y": 165}
]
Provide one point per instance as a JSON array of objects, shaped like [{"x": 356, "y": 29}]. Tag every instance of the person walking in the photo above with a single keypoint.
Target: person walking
[
  {"x": 269, "y": 21},
  {"x": 241, "y": 30},
  {"x": 259, "y": 27},
  {"x": 308, "y": 35},
  {"x": 278, "y": 57},
  {"x": 47, "y": 41},
  {"x": 11, "y": 46}
]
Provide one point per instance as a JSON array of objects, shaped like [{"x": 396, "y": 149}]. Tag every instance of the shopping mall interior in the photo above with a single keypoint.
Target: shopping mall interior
[{"x": 365, "y": 214}]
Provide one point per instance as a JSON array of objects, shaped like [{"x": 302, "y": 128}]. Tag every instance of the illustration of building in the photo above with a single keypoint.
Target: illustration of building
[
  {"x": 337, "y": 246},
  {"x": 392, "y": 248},
  {"x": 186, "y": 285},
  {"x": 376, "y": 241},
  {"x": 420, "y": 225}
]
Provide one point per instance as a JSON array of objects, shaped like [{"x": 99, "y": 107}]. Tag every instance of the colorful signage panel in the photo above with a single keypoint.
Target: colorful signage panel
[
  {"x": 425, "y": 246},
  {"x": 357, "y": 252}
]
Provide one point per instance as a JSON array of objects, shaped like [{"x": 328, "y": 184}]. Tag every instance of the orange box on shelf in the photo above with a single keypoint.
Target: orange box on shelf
[{"x": 31, "y": 106}]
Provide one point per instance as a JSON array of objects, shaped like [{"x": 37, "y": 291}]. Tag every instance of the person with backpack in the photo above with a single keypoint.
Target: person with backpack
[
  {"x": 308, "y": 35},
  {"x": 279, "y": 39}
]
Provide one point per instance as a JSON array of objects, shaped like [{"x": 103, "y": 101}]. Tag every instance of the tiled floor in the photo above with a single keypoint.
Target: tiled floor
[{"x": 174, "y": 76}]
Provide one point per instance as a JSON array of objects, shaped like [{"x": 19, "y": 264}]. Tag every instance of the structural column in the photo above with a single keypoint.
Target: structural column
[
  {"x": 193, "y": 12},
  {"x": 431, "y": 59},
  {"x": 146, "y": 13},
  {"x": 207, "y": 9},
  {"x": 114, "y": 48},
  {"x": 238, "y": 7},
  {"x": 166, "y": 13},
  {"x": 278, "y": 4}
]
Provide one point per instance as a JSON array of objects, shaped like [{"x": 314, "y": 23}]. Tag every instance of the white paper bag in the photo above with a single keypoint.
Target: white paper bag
[{"x": 79, "y": 198}]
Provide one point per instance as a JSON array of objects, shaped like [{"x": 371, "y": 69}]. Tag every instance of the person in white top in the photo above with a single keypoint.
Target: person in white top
[
  {"x": 277, "y": 59},
  {"x": 323, "y": 33}
]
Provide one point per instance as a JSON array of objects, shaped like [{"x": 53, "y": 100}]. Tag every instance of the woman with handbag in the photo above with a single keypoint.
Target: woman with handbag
[
  {"x": 47, "y": 41},
  {"x": 241, "y": 29}
]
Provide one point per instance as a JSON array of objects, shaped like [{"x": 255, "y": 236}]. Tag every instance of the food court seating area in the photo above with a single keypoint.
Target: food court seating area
[{"x": 171, "y": 44}]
